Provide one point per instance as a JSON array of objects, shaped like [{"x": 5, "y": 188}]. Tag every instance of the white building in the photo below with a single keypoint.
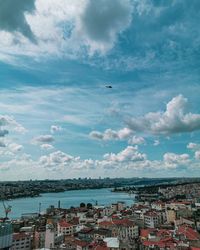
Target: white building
[
  {"x": 66, "y": 228},
  {"x": 151, "y": 219},
  {"x": 52, "y": 237}
]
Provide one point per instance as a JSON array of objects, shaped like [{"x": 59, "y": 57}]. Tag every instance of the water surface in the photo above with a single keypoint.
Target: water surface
[{"x": 67, "y": 199}]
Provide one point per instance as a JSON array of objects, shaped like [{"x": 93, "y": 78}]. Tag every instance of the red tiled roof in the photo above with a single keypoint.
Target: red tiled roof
[
  {"x": 163, "y": 234},
  {"x": 81, "y": 243},
  {"x": 106, "y": 223},
  {"x": 145, "y": 232},
  {"x": 124, "y": 222},
  {"x": 151, "y": 214},
  {"x": 168, "y": 242},
  {"x": 64, "y": 223},
  {"x": 115, "y": 216},
  {"x": 188, "y": 232}
]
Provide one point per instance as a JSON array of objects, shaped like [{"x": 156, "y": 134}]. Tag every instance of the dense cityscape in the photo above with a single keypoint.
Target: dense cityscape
[{"x": 167, "y": 219}]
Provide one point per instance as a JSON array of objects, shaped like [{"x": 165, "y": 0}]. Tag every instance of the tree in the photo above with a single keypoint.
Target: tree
[
  {"x": 89, "y": 206},
  {"x": 82, "y": 204}
]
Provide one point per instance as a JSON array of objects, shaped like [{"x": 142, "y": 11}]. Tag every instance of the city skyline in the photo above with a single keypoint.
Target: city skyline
[{"x": 59, "y": 120}]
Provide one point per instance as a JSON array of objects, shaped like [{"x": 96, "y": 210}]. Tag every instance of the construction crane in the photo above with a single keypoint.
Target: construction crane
[{"x": 7, "y": 209}]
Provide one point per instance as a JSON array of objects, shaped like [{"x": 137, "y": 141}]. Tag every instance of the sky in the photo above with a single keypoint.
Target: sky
[{"x": 57, "y": 118}]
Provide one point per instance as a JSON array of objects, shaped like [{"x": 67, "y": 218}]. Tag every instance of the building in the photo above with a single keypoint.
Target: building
[
  {"x": 52, "y": 237},
  {"x": 6, "y": 237},
  {"x": 22, "y": 241},
  {"x": 170, "y": 215},
  {"x": 66, "y": 228},
  {"x": 123, "y": 229},
  {"x": 151, "y": 219},
  {"x": 39, "y": 238}
]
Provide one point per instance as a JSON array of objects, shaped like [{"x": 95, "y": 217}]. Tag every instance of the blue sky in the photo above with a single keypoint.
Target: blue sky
[{"x": 57, "y": 118}]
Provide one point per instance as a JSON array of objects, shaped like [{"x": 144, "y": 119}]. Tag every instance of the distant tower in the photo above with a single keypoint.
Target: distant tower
[
  {"x": 59, "y": 204},
  {"x": 40, "y": 207}
]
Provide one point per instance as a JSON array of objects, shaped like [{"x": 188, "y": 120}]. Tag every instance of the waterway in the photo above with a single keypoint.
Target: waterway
[{"x": 67, "y": 199}]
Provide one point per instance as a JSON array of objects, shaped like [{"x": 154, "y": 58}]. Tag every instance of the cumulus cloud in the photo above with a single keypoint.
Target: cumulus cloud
[
  {"x": 59, "y": 160},
  {"x": 172, "y": 160},
  {"x": 13, "y": 19},
  {"x": 9, "y": 123},
  {"x": 173, "y": 120},
  {"x": 42, "y": 139},
  {"x": 110, "y": 134},
  {"x": 128, "y": 154},
  {"x": 10, "y": 150},
  {"x": 55, "y": 158}
]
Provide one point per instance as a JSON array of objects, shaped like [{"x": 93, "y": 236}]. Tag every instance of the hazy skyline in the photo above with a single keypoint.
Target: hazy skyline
[{"x": 57, "y": 118}]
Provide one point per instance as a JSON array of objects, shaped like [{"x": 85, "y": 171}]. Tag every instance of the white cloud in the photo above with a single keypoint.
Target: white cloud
[
  {"x": 60, "y": 161},
  {"x": 10, "y": 123},
  {"x": 172, "y": 160},
  {"x": 173, "y": 120},
  {"x": 128, "y": 154},
  {"x": 46, "y": 146},
  {"x": 197, "y": 155},
  {"x": 14, "y": 147},
  {"x": 110, "y": 134},
  {"x": 156, "y": 142},
  {"x": 55, "y": 128},
  {"x": 138, "y": 140},
  {"x": 72, "y": 27},
  {"x": 55, "y": 158},
  {"x": 193, "y": 146},
  {"x": 43, "y": 139}
]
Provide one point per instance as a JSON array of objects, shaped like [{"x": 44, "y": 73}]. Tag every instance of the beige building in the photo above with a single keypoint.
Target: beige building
[{"x": 170, "y": 215}]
